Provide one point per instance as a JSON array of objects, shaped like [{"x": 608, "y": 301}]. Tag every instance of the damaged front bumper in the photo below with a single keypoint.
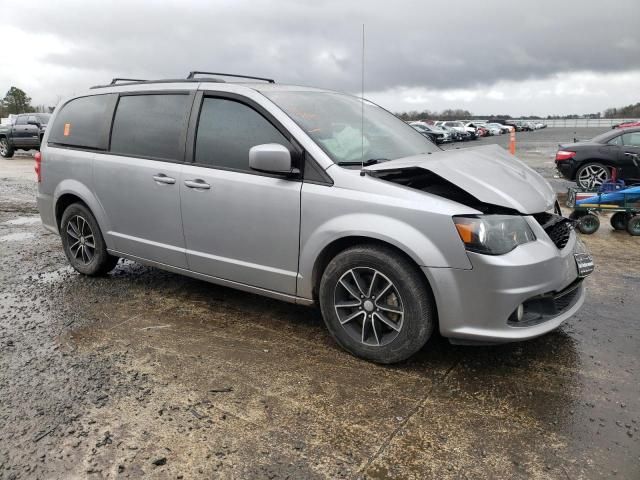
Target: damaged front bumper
[{"x": 480, "y": 305}]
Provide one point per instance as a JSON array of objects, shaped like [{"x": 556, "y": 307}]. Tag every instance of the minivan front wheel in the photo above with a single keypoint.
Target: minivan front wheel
[
  {"x": 376, "y": 304},
  {"x": 83, "y": 243}
]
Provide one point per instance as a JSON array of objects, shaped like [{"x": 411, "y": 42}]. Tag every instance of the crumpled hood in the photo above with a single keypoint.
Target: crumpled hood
[{"x": 489, "y": 173}]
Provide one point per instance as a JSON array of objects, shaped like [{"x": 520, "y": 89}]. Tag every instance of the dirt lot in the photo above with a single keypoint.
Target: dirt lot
[{"x": 148, "y": 373}]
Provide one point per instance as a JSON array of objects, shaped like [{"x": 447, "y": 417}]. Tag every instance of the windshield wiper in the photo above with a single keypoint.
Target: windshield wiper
[{"x": 370, "y": 161}]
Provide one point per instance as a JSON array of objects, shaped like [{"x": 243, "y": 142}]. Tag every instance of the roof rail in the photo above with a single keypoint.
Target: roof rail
[
  {"x": 118, "y": 79},
  {"x": 193, "y": 74}
]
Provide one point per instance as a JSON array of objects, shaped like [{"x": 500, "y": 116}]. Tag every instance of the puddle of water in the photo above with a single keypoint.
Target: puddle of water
[
  {"x": 23, "y": 221},
  {"x": 16, "y": 237}
]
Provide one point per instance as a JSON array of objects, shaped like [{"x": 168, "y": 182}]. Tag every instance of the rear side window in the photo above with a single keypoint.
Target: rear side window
[
  {"x": 22, "y": 120},
  {"x": 84, "y": 122},
  {"x": 226, "y": 132},
  {"x": 151, "y": 126},
  {"x": 631, "y": 139},
  {"x": 616, "y": 140}
]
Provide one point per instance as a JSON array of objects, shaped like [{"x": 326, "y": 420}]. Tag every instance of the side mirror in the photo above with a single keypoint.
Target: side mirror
[{"x": 271, "y": 158}]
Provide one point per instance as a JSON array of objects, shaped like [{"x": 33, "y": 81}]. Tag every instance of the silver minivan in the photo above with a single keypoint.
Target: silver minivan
[{"x": 313, "y": 197}]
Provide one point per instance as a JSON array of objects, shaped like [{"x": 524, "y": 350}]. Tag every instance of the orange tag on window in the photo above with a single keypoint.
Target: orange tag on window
[{"x": 67, "y": 129}]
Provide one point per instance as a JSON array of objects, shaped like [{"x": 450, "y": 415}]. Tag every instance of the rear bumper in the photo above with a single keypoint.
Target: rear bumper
[
  {"x": 566, "y": 169},
  {"x": 475, "y": 305}
]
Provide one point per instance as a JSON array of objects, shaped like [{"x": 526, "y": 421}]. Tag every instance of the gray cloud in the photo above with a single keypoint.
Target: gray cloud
[{"x": 410, "y": 44}]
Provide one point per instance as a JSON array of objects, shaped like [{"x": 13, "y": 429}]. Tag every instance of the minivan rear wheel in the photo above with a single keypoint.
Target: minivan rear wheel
[
  {"x": 376, "y": 304},
  {"x": 83, "y": 243}
]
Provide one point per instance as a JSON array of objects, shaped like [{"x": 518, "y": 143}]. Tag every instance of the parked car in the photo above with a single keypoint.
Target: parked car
[
  {"x": 627, "y": 124},
  {"x": 446, "y": 135},
  {"x": 522, "y": 126},
  {"x": 481, "y": 129},
  {"x": 24, "y": 132},
  {"x": 540, "y": 125},
  {"x": 589, "y": 163},
  {"x": 514, "y": 124},
  {"x": 456, "y": 135},
  {"x": 260, "y": 187},
  {"x": 498, "y": 126},
  {"x": 435, "y": 134},
  {"x": 463, "y": 133},
  {"x": 471, "y": 130}
]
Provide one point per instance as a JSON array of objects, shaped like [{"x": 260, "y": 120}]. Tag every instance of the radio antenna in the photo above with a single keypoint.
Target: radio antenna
[{"x": 362, "y": 110}]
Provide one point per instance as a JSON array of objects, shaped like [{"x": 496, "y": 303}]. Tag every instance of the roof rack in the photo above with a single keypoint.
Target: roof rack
[
  {"x": 118, "y": 79},
  {"x": 190, "y": 78},
  {"x": 193, "y": 74}
]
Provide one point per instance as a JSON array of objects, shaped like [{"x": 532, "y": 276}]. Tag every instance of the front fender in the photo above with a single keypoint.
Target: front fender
[{"x": 402, "y": 235}]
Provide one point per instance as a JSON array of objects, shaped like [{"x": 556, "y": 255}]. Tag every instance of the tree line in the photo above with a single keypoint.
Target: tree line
[
  {"x": 17, "y": 101},
  {"x": 630, "y": 111}
]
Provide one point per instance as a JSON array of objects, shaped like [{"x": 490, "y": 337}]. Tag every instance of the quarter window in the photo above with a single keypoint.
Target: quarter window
[
  {"x": 84, "y": 122},
  {"x": 226, "y": 132},
  {"x": 150, "y": 126}
]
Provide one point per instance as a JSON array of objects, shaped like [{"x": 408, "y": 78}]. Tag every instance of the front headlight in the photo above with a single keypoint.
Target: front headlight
[{"x": 493, "y": 234}]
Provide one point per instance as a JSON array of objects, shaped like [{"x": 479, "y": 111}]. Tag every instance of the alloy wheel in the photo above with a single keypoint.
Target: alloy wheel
[
  {"x": 3, "y": 147},
  {"x": 368, "y": 306},
  {"x": 80, "y": 239},
  {"x": 592, "y": 176}
]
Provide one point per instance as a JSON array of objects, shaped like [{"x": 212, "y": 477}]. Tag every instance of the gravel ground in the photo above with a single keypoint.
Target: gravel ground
[{"x": 146, "y": 373}]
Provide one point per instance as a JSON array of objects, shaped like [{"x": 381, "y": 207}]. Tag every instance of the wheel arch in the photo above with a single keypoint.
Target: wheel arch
[
  {"x": 340, "y": 244},
  {"x": 589, "y": 161},
  {"x": 63, "y": 202},
  {"x": 72, "y": 191}
]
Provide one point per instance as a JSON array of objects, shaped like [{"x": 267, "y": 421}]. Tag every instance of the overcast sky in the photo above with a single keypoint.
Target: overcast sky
[{"x": 514, "y": 56}]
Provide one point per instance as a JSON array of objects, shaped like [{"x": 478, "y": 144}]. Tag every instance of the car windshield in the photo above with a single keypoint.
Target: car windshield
[
  {"x": 335, "y": 122},
  {"x": 43, "y": 118}
]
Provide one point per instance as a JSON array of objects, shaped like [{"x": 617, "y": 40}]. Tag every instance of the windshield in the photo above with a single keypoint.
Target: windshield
[
  {"x": 334, "y": 121},
  {"x": 43, "y": 118}
]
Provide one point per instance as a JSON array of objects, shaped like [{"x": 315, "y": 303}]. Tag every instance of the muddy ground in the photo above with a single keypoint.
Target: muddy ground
[{"x": 146, "y": 373}]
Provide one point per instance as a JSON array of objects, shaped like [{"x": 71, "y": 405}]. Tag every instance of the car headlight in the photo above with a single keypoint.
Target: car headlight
[{"x": 493, "y": 234}]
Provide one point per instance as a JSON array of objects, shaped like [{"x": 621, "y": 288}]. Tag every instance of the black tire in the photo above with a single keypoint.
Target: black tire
[
  {"x": 588, "y": 223},
  {"x": 6, "y": 150},
  {"x": 576, "y": 214},
  {"x": 93, "y": 261},
  {"x": 633, "y": 226},
  {"x": 619, "y": 220},
  {"x": 583, "y": 170},
  {"x": 412, "y": 329}
]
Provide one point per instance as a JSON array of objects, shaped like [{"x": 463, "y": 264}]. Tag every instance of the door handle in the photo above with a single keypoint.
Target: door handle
[
  {"x": 162, "y": 178},
  {"x": 197, "y": 183}
]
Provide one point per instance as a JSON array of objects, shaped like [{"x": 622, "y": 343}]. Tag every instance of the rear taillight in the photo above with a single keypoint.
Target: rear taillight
[
  {"x": 38, "y": 168},
  {"x": 562, "y": 155}
]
